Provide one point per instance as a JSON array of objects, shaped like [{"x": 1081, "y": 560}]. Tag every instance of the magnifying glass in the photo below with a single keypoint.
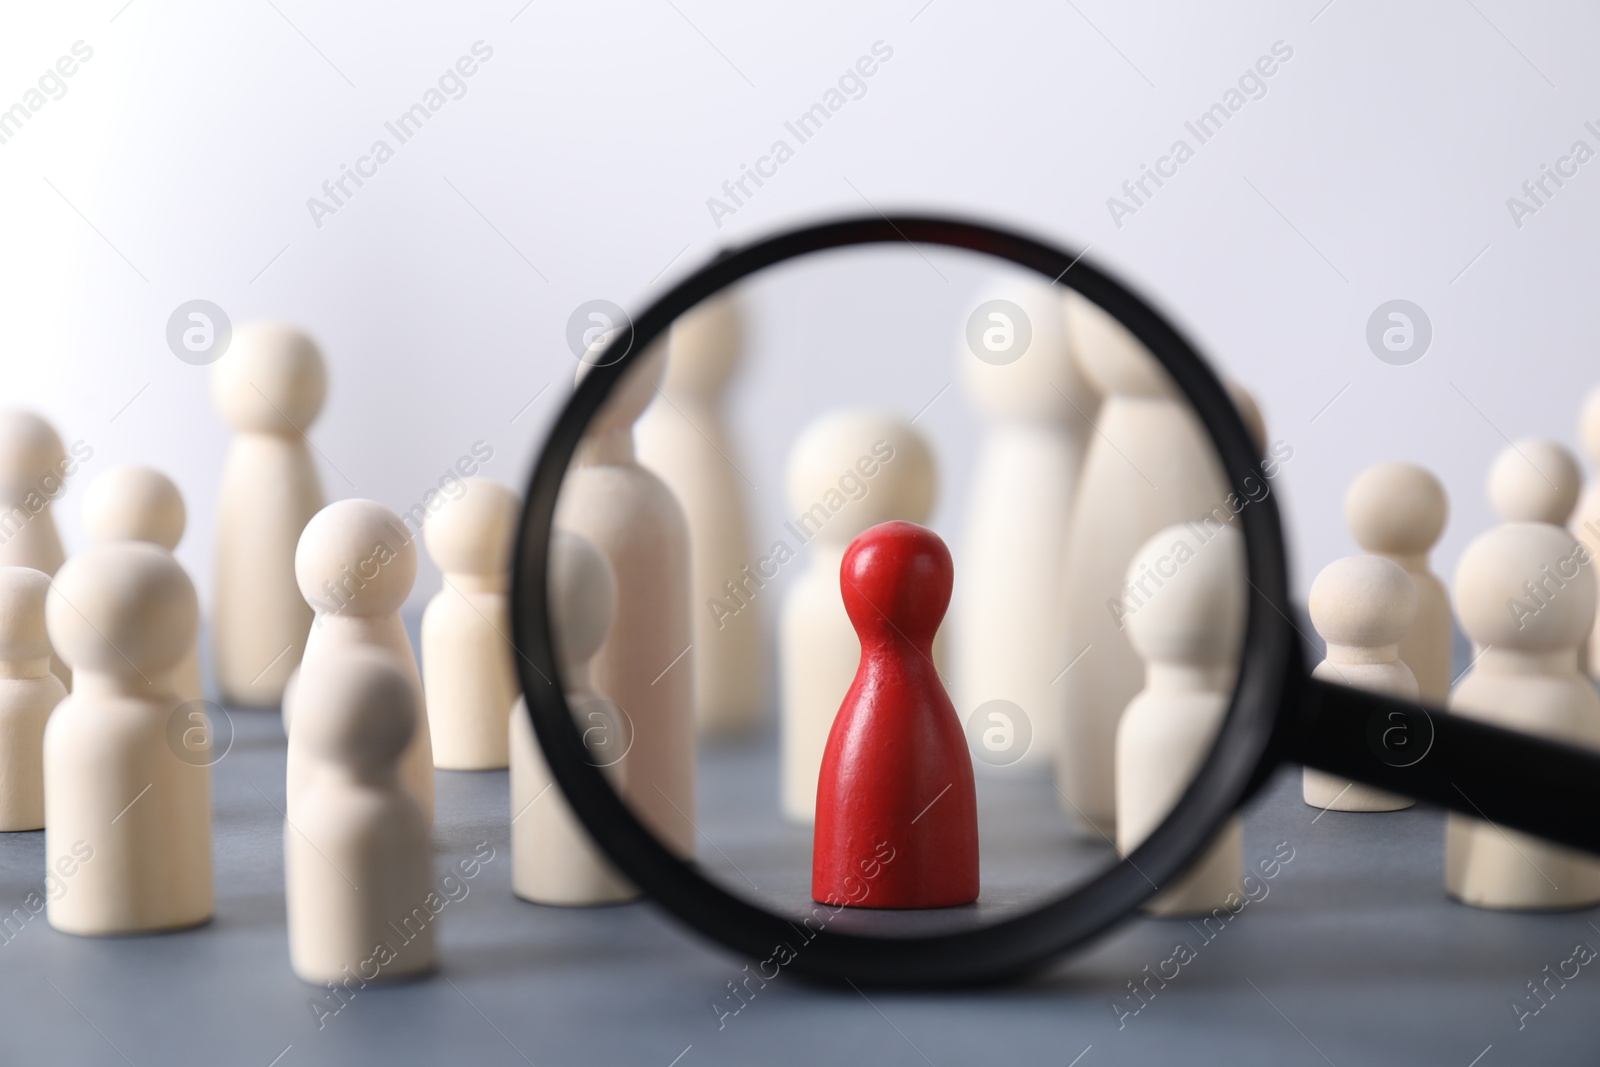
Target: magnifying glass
[{"x": 718, "y": 832}]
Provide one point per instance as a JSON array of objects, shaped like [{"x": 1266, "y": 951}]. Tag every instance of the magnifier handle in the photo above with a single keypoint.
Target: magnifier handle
[{"x": 1527, "y": 783}]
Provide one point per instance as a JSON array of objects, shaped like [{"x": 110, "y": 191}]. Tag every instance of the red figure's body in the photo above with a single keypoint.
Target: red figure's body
[{"x": 897, "y": 816}]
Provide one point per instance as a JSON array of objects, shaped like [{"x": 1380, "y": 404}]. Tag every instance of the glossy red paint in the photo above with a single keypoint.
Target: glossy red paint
[{"x": 897, "y": 816}]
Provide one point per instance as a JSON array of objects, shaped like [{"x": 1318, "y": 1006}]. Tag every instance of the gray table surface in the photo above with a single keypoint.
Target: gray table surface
[{"x": 1354, "y": 956}]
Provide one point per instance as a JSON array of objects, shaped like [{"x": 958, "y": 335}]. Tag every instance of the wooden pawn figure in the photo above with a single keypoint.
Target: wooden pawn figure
[
  {"x": 684, "y": 438},
  {"x": 33, "y": 472},
  {"x": 1150, "y": 464},
  {"x": 644, "y": 665},
  {"x": 1363, "y": 607},
  {"x": 1039, "y": 412},
  {"x": 553, "y": 860},
  {"x": 128, "y": 805},
  {"x": 897, "y": 810},
  {"x": 1534, "y": 481},
  {"x": 1188, "y": 631},
  {"x": 1398, "y": 511},
  {"x": 468, "y": 672},
  {"x": 1585, "y": 524},
  {"x": 355, "y": 564},
  {"x": 357, "y": 860},
  {"x": 268, "y": 387},
  {"x": 29, "y": 691},
  {"x": 1525, "y": 593},
  {"x": 133, "y": 503},
  {"x": 848, "y": 471}
]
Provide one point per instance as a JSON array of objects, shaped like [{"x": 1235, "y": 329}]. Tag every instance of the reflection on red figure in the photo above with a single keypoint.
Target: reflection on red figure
[{"x": 896, "y": 776}]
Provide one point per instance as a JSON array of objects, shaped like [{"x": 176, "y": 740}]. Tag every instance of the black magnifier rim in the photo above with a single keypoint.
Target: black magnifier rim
[{"x": 1245, "y": 748}]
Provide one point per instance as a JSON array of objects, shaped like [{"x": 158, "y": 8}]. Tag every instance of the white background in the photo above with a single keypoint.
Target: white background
[{"x": 578, "y": 165}]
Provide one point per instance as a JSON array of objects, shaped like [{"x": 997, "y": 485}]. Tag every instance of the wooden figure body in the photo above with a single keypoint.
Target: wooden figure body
[
  {"x": 1523, "y": 596},
  {"x": 33, "y": 472},
  {"x": 683, "y": 437},
  {"x": 1040, "y": 413},
  {"x": 1398, "y": 511},
  {"x": 133, "y": 503},
  {"x": 468, "y": 669},
  {"x": 357, "y": 858},
  {"x": 644, "y": 664},
  {"x": 1188, "y": 633},
  {"x": 1363, "y": 607},
  {"x": 553, "y": 861},
  {"x": 29, "y": 691},
  {"x": 1150, "y": 465},
  {"x": 897, "y": 813},
  {"x": 268, "y": 387},
  {"x": 355, "y": 565},
  {"x": 124, "y": 810},
  {"x": 848, "y": 470}
]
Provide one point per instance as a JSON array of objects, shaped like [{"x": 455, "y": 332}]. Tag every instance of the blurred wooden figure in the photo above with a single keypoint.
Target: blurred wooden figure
[
  {"x": 1188, "y": 631},
  {"x": 128, "y": 807},
  {"x": 684, "y": 438},
  {"x": 1040, "y": 412},
  {"x": 1534, "y": 481},
  {"x": 553, "y": 861},
  {"x": 848, "y": 471},
  {"x": 1363, "y": 607},
  {"x": 644, "y": 664},
  {"x": 1150, "y": 464},
  {"x": 133, "y": 503},
  {"x": 1398, "y": 511},
  {"x": 355, "y": 564},
  {"x": 29, "y": 691},
  {"x": 1524, "y": 596},
  {"x": 468, "y": 671},
  {"x": 33, "y": 472},
  {"x": 357, "y": 858},
  {"x": 1585, "y": 523},
  {"x": 268, "y": 387}
]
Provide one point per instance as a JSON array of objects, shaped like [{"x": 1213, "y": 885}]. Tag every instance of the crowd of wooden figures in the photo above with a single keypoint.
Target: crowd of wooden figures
[{"x": 1100, "y": 613}]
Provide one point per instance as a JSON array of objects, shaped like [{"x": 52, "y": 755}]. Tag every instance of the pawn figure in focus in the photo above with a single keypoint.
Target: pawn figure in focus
[
  {"x": 133, "y": 503},
  {"x": 355, "y": 564},
  {"x": 1188, "y": 633},
  {"x": 357, "y": 861},
  {"x": 644, "y": 664},
  {"x": 684, "y": 438},
  {"x": 897, "y": 810},
  {"x": 1039, "y": 411},
  {"x": 1526, "y": 678},
  {"x": 1585, "y": 523},
  {"x": 268, "y": 387},
  {"x": 1363, "y": 607},
  {"x": 848, "y": 471},
  {"x": 29, "y": 691},
  {"x": 553, "y": 861},
  {"x": 33, "y": 472},
  {"x": 128, "y": 807},
  {"x": 1534, "y": 481},
  {"x": 1398, "y": 511},
  {"x": 468, "y": 673}
]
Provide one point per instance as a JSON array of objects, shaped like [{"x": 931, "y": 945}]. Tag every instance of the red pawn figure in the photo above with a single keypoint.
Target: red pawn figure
[{"x": 897, "y": 816}]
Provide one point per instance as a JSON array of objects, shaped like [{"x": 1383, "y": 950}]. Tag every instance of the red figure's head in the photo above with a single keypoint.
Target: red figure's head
[{"x": 896, "y": 580}]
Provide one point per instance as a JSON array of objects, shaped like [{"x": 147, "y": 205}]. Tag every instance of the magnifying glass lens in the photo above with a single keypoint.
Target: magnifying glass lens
[{"x": 899, "y": 590}]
